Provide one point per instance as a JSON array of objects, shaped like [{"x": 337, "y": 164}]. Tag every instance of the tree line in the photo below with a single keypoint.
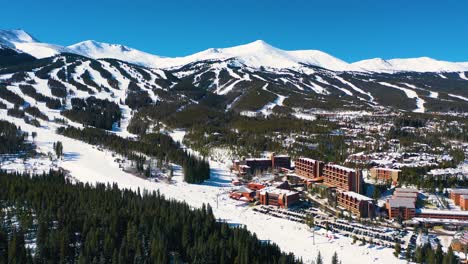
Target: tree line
[{"x": 48, "y": 219}]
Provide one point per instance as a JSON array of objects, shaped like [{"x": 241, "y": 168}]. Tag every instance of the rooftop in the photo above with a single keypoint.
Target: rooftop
[
  {"x": 307, "y": 159},
  {"x": 406, "y": 190},
  {"x": 341, "y": 167},
  {"x": 385, "y": 169},
  {"x": 401, "y": 202},
  {"x": 358, "y": 196},
  {"x": 442, "y": 212},
  {"x": 405, "y": 195},
  {"x": 274, "y": 190},
  {"x": 460, "y": 191}
]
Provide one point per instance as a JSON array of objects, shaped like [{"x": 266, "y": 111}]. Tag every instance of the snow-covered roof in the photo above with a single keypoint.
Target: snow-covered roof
[
  {"x": 401, "y": 202},
  {"x": 274, "y": 190},
  {"x": 406, "y": 195},
  {"x": 358, "y": 196},
  {"x": 442, "y": 212},
  {"x": 336, "y": 166},
  {"x": 258, "y": 159},
  {"x": 307, "y": 159},
  {"x": 243, "y": 190},
  {"x": 460, "y": 191},
  {"x": 385, "y": 169},
  {"x": 406, "y": 190}
]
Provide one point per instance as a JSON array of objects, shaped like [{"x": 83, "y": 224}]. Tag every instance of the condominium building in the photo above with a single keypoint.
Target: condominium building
[
  {"x": 456, "y": 194},
  {"x": 385, "y": 174},
  {"x": 464, "y": 202},
  {"x": 308, "y": 168},
  {"x": 405, "y": 208},
  {"x": 343, "y": 178},
  {"x": 356, "y": 203},
  {"x": 277, "y": 197},
  {"x": 251, "y": 165}
]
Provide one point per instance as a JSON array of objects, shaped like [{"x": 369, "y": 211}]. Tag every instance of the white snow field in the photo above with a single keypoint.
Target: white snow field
[{"x": 86, "y": 163}]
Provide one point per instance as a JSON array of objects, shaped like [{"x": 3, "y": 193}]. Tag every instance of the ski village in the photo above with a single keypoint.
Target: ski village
[{"x": 304, "y": 155}]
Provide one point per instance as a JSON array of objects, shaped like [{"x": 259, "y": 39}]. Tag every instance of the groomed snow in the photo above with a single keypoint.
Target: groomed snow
[{"x": 410, "y": 94}]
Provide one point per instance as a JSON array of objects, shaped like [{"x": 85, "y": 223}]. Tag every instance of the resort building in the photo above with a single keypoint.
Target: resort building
[
  {"x": 343, "y": 178},
  {"x": 356, "y": 203},
  {"x": 277, "y": 197},
  {"x": 251, "y": 165},
  {"x": 385, "y": 174},
  {"x": 456, "y": 194},
  {"x": 308, "y": 168},
  {"x": 403, "y": 208}
]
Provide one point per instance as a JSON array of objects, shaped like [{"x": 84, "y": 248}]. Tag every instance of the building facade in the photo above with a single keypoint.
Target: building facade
[
  {"x": 403, "y": 208},
  {"x": 464, "y": 202},
  {"x": 343, "y": 178},
  {"x": 385, "y": 174},
  {"x": 456, "y": 194},
  {"x": 402, "y": 204},
  {"x": 251, "y": 165},
  {"x": 277, "y": 197},
  {"x": 357, "y": 204},
  {"x": 308, "y": 168}
]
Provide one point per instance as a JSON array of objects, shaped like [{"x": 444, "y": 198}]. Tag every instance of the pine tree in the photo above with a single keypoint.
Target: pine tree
[
  {"x": 450, "y": 257},
  {"x": 3, "y": 246},
  {"x": 16, "y": 248},
  {"x": 418, "y": 255},
  {"x": 319, "y": 259},
  {"x": 397, "y": 249},
  {"x": 335, "y": 258},
  {"x": 439, "y": 254}
]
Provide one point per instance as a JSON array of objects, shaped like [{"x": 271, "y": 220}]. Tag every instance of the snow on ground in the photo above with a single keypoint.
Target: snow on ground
[
  {"x": 410, "y": 94},
  {"x": 86, "y": 163},
  {"x": 459, "y": 97},
  {"x": 463, "y": 76},
  {"x": 268, "y": 108},
  {"x": 354, "y": 87}
]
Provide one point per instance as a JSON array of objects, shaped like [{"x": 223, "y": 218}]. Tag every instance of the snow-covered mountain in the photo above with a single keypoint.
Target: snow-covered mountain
[
  {"x": 100, "y": 50},
  {"x": 261, "y": 54},
  {"x": 423, "y": 64},
  {"x": 20, "y": 40},
  {"x": 255, "y": 55}
]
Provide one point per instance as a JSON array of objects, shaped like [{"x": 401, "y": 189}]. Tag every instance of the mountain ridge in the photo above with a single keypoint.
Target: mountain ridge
[{"x": 255, "y": 54}]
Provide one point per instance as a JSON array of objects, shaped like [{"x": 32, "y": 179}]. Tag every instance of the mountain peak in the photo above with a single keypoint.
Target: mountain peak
[{"x": 11, "y": 36}]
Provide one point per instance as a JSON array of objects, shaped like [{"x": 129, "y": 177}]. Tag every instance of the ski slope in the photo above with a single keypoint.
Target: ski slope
[{"x": 410, "y": 94}]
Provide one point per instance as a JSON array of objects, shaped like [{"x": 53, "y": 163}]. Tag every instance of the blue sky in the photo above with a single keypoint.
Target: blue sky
[{"x": 351, "y": 30}]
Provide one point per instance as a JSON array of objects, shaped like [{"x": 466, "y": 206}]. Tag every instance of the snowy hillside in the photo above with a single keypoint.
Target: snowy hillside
[
  {"x": 99, "y": 50},
  {"x": 23, "y": 41},
  {"x": 255, "y": 55},
  {"x": 423, "y": 64}
]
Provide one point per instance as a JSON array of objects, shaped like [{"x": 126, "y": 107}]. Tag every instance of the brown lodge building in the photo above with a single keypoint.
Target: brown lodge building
[
  {"x": 251, "y": 165},
  {"x": 460, "y": 197},
  {"x": 308, "y": 168},
  {"x": 277, "y": 197},
  {"x": 343, "y": 178},
  {"x": 356, "y": 203},
  {"x": 385, "y": 174},
  {"x": 402, "y": 204}
]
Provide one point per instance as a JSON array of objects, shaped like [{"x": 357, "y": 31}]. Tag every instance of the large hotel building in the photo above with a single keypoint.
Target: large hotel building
[
  {"x": 343, "y": 178},
  {"x": 385, "y": 174},
  {"x": 308, "y": 168}
]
